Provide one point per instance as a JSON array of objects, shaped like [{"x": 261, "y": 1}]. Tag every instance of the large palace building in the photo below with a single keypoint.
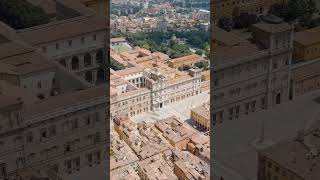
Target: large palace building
[{"x": 148, "y": 83}]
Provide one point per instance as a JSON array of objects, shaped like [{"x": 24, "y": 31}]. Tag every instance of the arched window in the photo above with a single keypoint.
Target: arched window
[
  {"x": 87, "y": 59},
  {"x": 278, "y": 98},
  {"x": 88, "y": 76},
  {"x": 63, "y": 62},
  {"x": 101, "y": 75},
  {"x": 99, "y": 57},
  {"x": 75, "y": 63}
]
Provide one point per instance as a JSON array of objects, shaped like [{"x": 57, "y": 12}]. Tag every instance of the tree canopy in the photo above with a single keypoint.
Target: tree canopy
[
  {"x": 301, "y": 10},
  {"x": 21, "y": 14},
  {"x": 115, "y": 65}
]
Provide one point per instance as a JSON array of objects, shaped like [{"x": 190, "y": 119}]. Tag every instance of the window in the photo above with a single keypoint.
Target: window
[
  {"x": 67, "y": 147},
  {"x": 3, "y": 170},
  {"x": 94, "y": 37},
  {"x": 44, "y": 49},
  {"x": 43, "y": 133},
  {"x": 29, "y": 137},
  {"x": 77, "y": 163},
  {"x": 247, "y": 108},
  {"x": 82, "y": 40},
  {"x": 97, "y": 116},
  {"x": 253, "y": 106},
  {"x": 88, "y": 120},
  {"x": 70, "y": 42},
  {"x": 39, "y": 85},
  {"x": 89, "y": 158},
  {"x": 52, "y": 130},
  {"x": 98, "y": 157},
  {"x": 68, "y": 165},
  {"x": 284, "y": 173},
  {"x": 216, "y": 82},
  {"x": 1, "y": 147},
  {"x": 286, "y": 62},
  {"x": 74, "y": 123},
  {"x": 275, "y": 65},
  {"x": 57, "y": 46},
  {"x": 97, "y": 138}
]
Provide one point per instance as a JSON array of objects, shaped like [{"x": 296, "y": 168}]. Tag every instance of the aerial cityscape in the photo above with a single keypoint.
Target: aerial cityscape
[{"x": 159, "y": 89}]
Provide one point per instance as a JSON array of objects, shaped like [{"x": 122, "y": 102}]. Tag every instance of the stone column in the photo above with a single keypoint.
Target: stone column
[
  {"x": 81, "y": 61},
  {"x": 94, "y": 76},
  {"x": 93, "y": 58},
  {"x": 68, "y": 62}
]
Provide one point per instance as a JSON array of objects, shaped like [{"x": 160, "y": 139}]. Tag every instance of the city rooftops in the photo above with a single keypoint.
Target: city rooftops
[
  {"x": 299, "y": 155},
  {"x": 272, "y": 24},
  {"x": 192, "y": 166},
  {"x": 118, "y": 40},
  {"x": 227, "y": 38},
  {"x": 228, "y": 56},
  {"x": 126, "y": 172},
  {"x": 130, "y": 71},
  {"x": 62, "y": 29},
  {"x": 174, "y": 130},
  {"x": 188, "y": 58},
  {"x": 302, "y": 71},
  {"x": 203, "y": 110},
  {"x": 307, "y": 37},
  {"x": 66, "y": 100},
  {"x": 117, "y": 157},
  {"x": 13, "y": 48},
  {"x": 26, "y": 63},
  {"x": 10, "y": 95},
  {"x": 157, "y": 168}
]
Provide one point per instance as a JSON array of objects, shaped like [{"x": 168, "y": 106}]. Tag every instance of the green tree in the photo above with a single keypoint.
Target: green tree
[
  {"x": 302, "y": 10},
  {"x": 199, "y": 52},
  {"x": 225, "y": 23},
  {"x": 21, "y": 14},
  {"x": 115, "y": 65},
  {"x": 202, "y": 64}
]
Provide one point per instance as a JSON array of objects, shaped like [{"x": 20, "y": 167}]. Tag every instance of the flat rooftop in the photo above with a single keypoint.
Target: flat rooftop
[
  {"x": 294, "y": 154},
  {"x": 307, "y": 37},
  {"x": 232, "y": 150}
]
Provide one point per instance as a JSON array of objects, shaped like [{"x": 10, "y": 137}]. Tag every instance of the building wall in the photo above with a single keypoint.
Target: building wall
[
  {"x": 201, "y": 121},
  {"x": 229, "y": 8},
  {"x": 82, "y": 55},
  {"x": 129, "y": 106},
  {"x": 58, "y": 143},
  {"x": 269, "y": 169},
  {"x": 41, "y": 83},
  {"x": 306, "y": 53}
]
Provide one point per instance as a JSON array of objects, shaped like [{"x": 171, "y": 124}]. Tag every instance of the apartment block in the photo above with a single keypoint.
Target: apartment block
[
  {"x": 201, "y": 116},
  {"x": 306, "y": 45}
]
